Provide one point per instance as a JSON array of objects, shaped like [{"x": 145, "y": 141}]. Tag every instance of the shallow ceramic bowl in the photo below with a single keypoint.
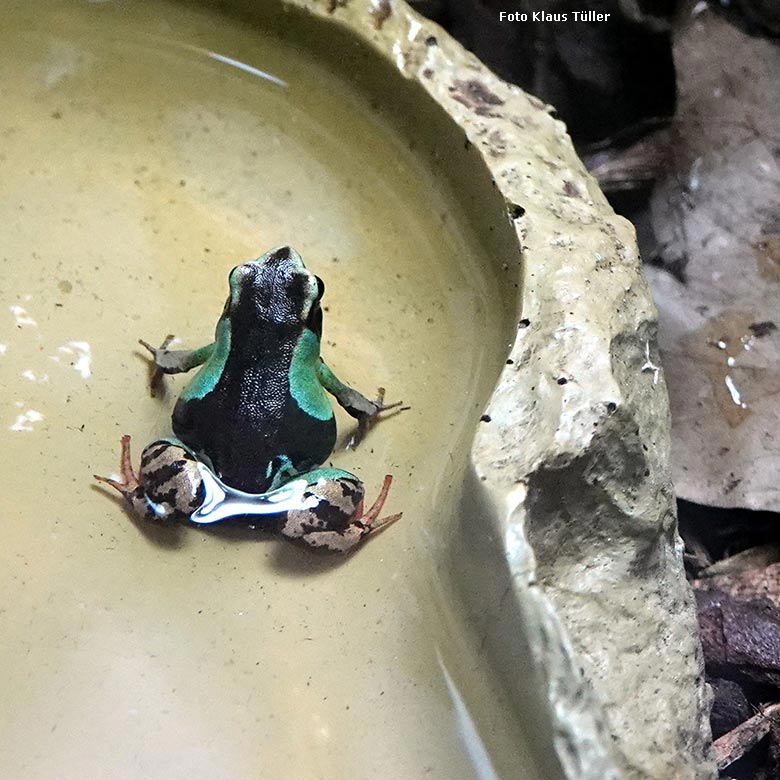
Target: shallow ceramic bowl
[{"x": 149, "y": 147}]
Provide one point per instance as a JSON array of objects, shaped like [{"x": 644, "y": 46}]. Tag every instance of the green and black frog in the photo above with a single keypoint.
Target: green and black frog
[{"x": 254, "y": 425}]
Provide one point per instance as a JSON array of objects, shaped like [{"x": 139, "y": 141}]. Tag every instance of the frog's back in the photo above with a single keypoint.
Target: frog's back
[
  {"x": 257, "y": 402},
  {"x": 266, "y": 409}
]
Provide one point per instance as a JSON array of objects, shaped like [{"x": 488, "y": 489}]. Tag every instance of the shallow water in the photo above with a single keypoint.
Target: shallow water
[{"x": 144, "y": 151}]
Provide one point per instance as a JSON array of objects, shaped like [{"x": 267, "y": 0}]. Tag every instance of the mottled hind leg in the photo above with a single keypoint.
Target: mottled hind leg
[
  {"x": 331, "y": 516},
  {"x": 168, "y": 486}
]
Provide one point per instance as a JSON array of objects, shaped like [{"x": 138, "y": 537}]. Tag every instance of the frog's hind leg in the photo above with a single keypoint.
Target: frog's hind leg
[
  {"x": 168, "y": 486},
  {"x": 332, "y": 516}
]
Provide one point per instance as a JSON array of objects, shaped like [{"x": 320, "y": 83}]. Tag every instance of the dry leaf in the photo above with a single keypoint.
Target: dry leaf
[{"x": 717, "y": 220}]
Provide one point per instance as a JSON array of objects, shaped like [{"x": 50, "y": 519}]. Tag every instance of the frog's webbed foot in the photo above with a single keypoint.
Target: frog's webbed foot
[
  {"x": 157, "y": 368},
  {"x": 333, "y": 518},
  {"x": 129, "y": 485},
  {"x": 368, "y": 417},
  {"x": 370, "y": 521},
  {"x": 173, "y": 361}
]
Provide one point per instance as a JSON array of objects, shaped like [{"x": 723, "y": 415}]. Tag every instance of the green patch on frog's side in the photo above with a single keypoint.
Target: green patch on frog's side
[
  {"x": 305, "y": 387},
  {"x": 210, "y": 372}
]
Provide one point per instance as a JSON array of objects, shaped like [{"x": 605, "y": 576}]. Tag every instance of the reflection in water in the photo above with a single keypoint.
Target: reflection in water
[
  {"x": 467, "y": 729},
  {"x": 82, "y": 357},
  {"x": 33, "y": 377},
  {"x": 243, "y": 66},
  {"x": 21, "y": 317},
  {"x": 228, "y": 61},
  {"x": 24, "y": 421},
  {"x": 138, "y": 182}
]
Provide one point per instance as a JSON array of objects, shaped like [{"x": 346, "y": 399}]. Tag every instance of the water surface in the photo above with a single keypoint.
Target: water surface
[{"x": 146, "y": 149}]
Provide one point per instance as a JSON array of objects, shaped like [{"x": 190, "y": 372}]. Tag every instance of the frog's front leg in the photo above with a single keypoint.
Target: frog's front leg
[
  {"x": 177, "y": 361},
  {"x": 330, "y": 515},
  {"x": 174, "y": 361},
  {"x": 353, "y": 402},
  {"x": 168, "y": 485}
]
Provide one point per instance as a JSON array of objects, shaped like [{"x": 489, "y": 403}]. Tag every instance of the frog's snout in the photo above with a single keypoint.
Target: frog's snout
[
  {"x": 279, "y": 255},
  {"x": 284, "y": 254}
]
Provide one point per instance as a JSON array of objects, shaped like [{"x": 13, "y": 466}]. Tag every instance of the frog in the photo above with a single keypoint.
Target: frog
[{"x": 254, "y": 425}]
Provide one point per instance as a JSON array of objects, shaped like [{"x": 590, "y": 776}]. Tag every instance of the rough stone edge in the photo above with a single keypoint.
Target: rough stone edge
[{"x": 588, "y": 318}]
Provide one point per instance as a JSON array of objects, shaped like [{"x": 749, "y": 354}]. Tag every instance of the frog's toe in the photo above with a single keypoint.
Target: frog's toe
[
  {"x": 128, "y": 483},
  {"x": 157, "y": 369},
  {"x": 368, "y": 419}
]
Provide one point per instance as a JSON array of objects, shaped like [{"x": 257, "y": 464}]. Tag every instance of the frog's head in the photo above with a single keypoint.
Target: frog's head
[{"x": 276, "y": 289}]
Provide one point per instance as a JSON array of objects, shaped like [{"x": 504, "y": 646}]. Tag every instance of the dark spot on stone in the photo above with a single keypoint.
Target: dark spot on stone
[
  {"x": 485, "y": 418},
  {"x": 761, "y": 329},
  {"x": 475, "y": 95},
  {"x": 510, "y": 362},
  {"x": 611, "y": 406},
  {"x": 56, "y": 114},
  {"x": 515, "y": 211},
  {"x": 732, "y": 483},
  {"x": 428, "y": 73},
  {"x": 524, "y": 323},
  {"x": 182, "y": 183},
  {"x": 381, "y": 12},
  {"x": 570, "y": 189},
  {"x": 562, "y": 380},
  {"x": 431, "y": 41}
]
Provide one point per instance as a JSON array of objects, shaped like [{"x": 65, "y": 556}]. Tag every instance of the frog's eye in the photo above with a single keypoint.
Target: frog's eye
[
  {"x": 320, "y": 288},
  {"x": 314, "y": 321}
]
